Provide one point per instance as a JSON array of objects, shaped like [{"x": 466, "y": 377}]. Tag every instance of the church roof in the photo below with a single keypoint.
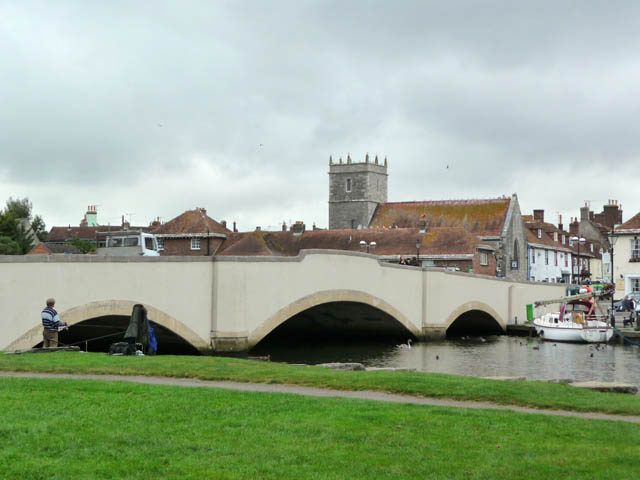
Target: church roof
[
  {"x": 480, "y": 217},
  {"x": 395, "y": 241}
]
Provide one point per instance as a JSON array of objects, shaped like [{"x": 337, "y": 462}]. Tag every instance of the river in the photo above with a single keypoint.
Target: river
[{"x": 497, "y": 355}]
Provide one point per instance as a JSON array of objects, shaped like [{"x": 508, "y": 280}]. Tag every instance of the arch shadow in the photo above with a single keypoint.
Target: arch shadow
[
  {"x": 489, "y": 317},
  {"x": 106, "y": 308},
  {"x": 326, "y": 297}
]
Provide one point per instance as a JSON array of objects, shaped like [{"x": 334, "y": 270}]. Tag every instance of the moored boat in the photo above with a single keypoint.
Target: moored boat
[{"x": 580, "y": 318}]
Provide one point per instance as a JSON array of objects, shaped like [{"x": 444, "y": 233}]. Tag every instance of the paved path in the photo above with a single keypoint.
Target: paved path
[{"x": 321, "y": 392}]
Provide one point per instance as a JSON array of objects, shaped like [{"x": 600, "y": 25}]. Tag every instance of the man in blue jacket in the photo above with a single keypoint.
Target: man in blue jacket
[{"x": 51, "y": 322}]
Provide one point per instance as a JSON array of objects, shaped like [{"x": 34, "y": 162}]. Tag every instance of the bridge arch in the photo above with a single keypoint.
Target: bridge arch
[
  {"x": 104, "y": 308},
  {"x": 474, "y": 306},
  {"x": 327, "y": 297}
]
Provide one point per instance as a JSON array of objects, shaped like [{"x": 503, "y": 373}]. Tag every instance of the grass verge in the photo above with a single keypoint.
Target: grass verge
[
  {"x": 532, "y": 394},
  {"x": 95, "y": 429}
]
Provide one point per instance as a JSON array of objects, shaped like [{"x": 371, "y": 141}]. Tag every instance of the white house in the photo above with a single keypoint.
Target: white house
[{"x": 626, "y": 256}]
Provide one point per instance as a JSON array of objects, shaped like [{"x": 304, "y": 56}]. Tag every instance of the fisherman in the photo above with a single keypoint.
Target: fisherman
[{"x": 51, "y": 322}]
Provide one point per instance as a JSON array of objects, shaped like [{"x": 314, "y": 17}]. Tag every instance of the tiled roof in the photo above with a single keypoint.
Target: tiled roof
[
  {"x": 632, "y": 224},
  {"x": 547, "y": 239},
  {"x": 62, "y": 234},
  {"x": 189, "y": 223},
  {"x": 396, "y": 241},
  {"x": 481, "y": 217},
  {"x": 40, "y": 249}
]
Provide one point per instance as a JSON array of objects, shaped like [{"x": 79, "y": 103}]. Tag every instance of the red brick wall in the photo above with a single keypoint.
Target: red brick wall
[
  {"x": 489, "y": 269},
  {"x": 182, "y": 246}
]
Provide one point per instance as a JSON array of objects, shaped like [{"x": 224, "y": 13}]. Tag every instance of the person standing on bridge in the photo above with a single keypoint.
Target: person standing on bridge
[{"x": 51, "y": 322}]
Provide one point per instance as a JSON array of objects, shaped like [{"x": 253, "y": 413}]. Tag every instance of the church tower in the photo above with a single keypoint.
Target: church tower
[{"x": 355, "y": 189}]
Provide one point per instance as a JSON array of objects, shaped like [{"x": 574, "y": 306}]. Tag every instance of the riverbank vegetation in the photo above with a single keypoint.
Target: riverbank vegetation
[
  {"x": 532, "y": 394},
  {"x": 102, "y": 429}
]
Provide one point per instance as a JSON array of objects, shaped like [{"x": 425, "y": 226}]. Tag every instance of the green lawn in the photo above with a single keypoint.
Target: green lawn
[
  {"x": 535, "y": 394},
  {"x": 94, "y": 429}
]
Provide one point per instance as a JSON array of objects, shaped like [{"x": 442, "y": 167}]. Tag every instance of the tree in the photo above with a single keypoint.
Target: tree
[
  {"x": 8, "y": 246},
  {"x": 20, "y": 207},
  {"x": 23, "y": 208},
  {"x": 85, "y": 246}
]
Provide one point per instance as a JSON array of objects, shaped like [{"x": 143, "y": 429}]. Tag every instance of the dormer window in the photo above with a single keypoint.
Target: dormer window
[
  {"x": 563, "y": 239},
  {"x": 591, "y": 247},
  {"x": 539, "y": 233},
  {"x": 555, "y": 236},
  {"x": 348, "y": 185}
]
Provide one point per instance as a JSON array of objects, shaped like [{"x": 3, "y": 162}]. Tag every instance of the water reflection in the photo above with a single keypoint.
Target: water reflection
[{"x": 498, "y": 355}]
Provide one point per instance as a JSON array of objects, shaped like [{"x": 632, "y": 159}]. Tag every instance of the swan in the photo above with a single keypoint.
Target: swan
[{"x": 406, "y": 346}]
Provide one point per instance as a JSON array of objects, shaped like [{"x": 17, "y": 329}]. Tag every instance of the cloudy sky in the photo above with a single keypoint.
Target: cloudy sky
[{"x": 150, "y": 108}]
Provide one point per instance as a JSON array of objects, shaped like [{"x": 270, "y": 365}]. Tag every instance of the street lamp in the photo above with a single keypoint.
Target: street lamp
[
  {"x": 612, "y": 241},
  {"x": 581, "y": 241},
  {"x": 418, "y": 245},
  {"x": 366, "y": 245}
]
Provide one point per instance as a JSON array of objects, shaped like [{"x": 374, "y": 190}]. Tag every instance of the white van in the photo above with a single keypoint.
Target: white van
[{"x": 126, "y": 244}]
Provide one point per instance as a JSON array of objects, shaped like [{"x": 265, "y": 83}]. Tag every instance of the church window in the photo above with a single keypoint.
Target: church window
[{"x": 348, "y": 185}]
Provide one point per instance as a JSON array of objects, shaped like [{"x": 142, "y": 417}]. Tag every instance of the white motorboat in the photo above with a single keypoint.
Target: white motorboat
[{"x": 577, "y": 320}]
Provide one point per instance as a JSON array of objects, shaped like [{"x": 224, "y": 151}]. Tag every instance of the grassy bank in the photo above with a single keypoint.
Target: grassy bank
[
  {"x": 534, "y": 394},
  {"x": 94, "y": 429}
]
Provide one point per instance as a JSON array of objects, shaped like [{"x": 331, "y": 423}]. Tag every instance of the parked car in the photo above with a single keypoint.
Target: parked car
[{"x": 636, "y": 299}]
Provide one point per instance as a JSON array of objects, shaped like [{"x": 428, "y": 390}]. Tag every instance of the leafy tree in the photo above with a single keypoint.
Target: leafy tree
[
  {"x": 8, "y": 246},
  {"x": 85, "y": 246},
  {"x": 20, "y": 207},
  {"x": 23, "y": 208}
]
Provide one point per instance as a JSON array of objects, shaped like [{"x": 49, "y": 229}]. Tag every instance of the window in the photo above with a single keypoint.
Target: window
[
  {"x": 484, "y": 258},
  {"x": 635, "y": 249},
  {"x": 195, "y": 244},
  {"x": 555, "y": 258},
  {"x": 115, "y": 242},
  {"x": 131, "y": 241},
  {"x": 348, "y": 185},
  {"x": 566, "y": 260},
  {"x": 546, "y": 257},
  {"x": 563, "y": 239},
  {"x": 533, "y": 255},
  {"x": 148, "y": 243},
  {"x": 160, "y": 244},
  {"x": 555, "y": 236},
  {"x": 570, "y": 242},
  {"x": 539, "y": 233},
  {"x": 533, "y": 279},
  {"x": 635, "y": 285}
]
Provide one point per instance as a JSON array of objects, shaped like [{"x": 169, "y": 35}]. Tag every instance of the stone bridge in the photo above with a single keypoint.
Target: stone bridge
[{"x": 216, "y": 304}]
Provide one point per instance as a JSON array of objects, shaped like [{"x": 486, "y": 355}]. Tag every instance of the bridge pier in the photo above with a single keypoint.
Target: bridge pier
[
  {"x": 227, "y": 343},
  {"x": 433, "y": 333}
]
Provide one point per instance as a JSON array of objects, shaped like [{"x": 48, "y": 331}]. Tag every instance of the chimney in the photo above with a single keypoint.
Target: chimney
[
  {"x": 235, "y": 230},
  {"x": 584, "y": 213},
  {"x": 224, "y": 223},
  {"x": 612, "y": 214},
  {"x": 538, "y": 215},
  {"x": 284, "y": 226},
  {"x": 574, "y": 227},
  {"x": 297, "y": 228},
  {"x": 258, "y": 229},
  {"x": 560, "y": 223}
]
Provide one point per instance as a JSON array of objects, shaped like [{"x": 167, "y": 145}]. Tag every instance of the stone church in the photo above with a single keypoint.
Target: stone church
[{"x": 358, "y": 200}]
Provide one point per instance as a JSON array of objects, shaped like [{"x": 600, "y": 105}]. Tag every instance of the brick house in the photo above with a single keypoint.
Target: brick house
[{"x": 191, "y": 233}]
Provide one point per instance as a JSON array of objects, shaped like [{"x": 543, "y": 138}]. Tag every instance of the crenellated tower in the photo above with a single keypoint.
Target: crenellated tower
[{"x": 355, "y": 189}]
